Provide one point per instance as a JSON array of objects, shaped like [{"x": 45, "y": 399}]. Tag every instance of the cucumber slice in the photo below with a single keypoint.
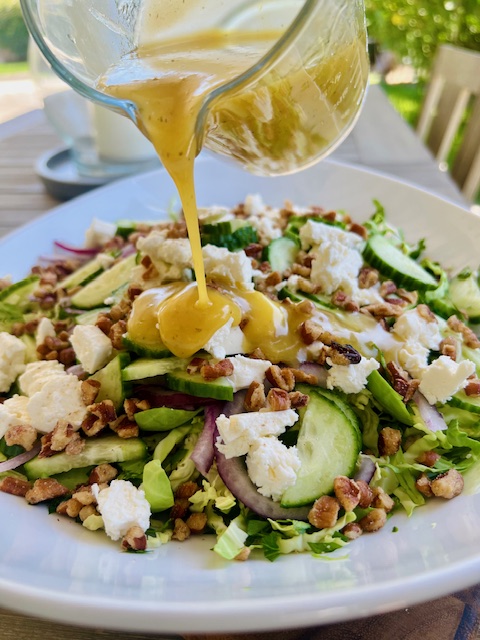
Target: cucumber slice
[
  {"x": 465, "y": 295},
  {"x": 195, "y": 385},
  {"x": 112, "y": 385},
  {"x": 83, "y": 275},
  {"x": 163, "y": 418},
  {"x": 462, "y": 401},
  {"x": 95, "y": 293},
  {"x": 323, "y": 302},
  {"x": 145, "y": 348},
  {"x": 148, "y": 368},
  {"x": 392, "y": 263},
  {"x": 90, "y": 317},
  {"x": 329, "y": 444},
  {"x": 281, "y": 253},
  {"x": 19, "y": 294},
  {"x": 96, "y": 451},
  {"x": 233, "y": 241},
  {"x": 390, "y": 400}
]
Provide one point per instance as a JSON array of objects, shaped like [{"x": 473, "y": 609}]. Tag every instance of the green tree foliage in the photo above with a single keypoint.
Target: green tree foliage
[
  {"x": 13, "y": 32},
  {"x": 412, "y": 29}
]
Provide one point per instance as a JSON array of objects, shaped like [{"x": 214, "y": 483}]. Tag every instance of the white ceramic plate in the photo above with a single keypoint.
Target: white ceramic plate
[{"x": 54, "y": 568}]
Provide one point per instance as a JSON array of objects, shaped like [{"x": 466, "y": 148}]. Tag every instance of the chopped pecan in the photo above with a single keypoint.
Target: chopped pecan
[
  {"x": 135, "y": 539},
  {"x": 306, "y": 286},
  {"x": 116, "y": 334},
  {"x": 373, "y": 521},
  {"x": 387, "y": 288},
  {"x": 15, "y": 486},
  {"x": 46, "y": 450},
  {"x": 347, "y": 492},
  {"x": 383, "y": 309},
  {"x": 195, "y": 365},
  {"x": 120, "y": 311},
  {"x": 352, "y": 530},
  {"x": 104, "y": 323},
  {"x": 306, "y": 307},
  {"x": 368, "y": 277},
  {"x": 70, "y": 508},
  {"x": 448, "y": 347},
  {"x": 212, "y": 372},
  {"x": 177, "y": 230},
  {"x": 428, "y": 458},
  {"x": 134, "y": 290},
  {"x": 197, "y": 522},
  {"x": 23, "y": 434},
  {"x": 448, "y": 485},
  {"x": 134, "y": 405},
  {"x": 102, "y": 473},
  {"x": 298, "y": 399},
  {"x": 180, "y": 508},
  {"x": 89, "y": 391},
  {"x": 181, "y": 530},
  {"x": 424, "y": 485},
  {"x": 255, "y": 397},
  {"x": 303, "y": 376},
  {"x": 254, "y": 250},
  {"x": 187, "y": 489},
  {"x": 410, "y": 297},
  {"x": 401, "y": 381},
  {"x": 85, "y": 496},
  {"x": 243, "y": 555},
  {"x": 257, "y": 354},
  {"x": 324, "y": 512},
  {"x": 61, "y": 435},
  {"x": 389, "y": 441},
  {"x": 343, "y": 354},
  {"x": 426, "y": 313},
  {"x": 469, "y": 337},
  {"x": 366, "y": 494},
  {"x": 301, "y": 270},
  {"x": 67, "y": 356},
  {"x": 472, "y": 387},
  {"x": 359, "y": 229},
  {"x": 281, "y": 378},
  {"x": 278, "y": 399},
  {"x": 87, "y": 511},
  {"x": 125, "y": 428},
  {"x": 273, "y": 279},
  {"x": 101, "y": 413},
  {"x": 342, "y": 300},
  {"x": 76, "y": 445},
  {"x": 45, "y": 489},
  {"x": 381, "y": 500}
]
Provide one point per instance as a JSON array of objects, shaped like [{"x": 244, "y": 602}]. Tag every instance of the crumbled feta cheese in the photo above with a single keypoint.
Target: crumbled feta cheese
[
  {"x": 99, "y": 232},
  {"x": 226, "y": 341},
  {"x": 413, "y": 358},
  {"x": 313, "y": 234},
  {"x": 37, "y": 373},
  {"x": 233, "y": 268},
  {"x": 266, "y": 228},
  {"x": 13, "y": 412},
  {"x": 350, "y": 378},
  {"x": 334, "y": 265},
  {"x": 254, "y": 205},
  {"x": 45, "y": 330},
  {"x": 122, "y": 506},
  {"x": 247, "y": 370},
  {"x": 92, "y": 347},
  {"x": 12, "y": 360},
  {"x": 272, "y": 466},
  {"x": 170, "y": 256},
  {"x": 59, "y": 398},
  {"x": 105, "y": 260},
  {"x": 241, "y": 430},
  {"x": 444, "y": 377},
  {"x": 412, "y": 326}
]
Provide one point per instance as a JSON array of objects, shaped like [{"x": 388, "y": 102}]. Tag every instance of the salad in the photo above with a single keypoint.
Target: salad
[{"x": 338, "y": 386}]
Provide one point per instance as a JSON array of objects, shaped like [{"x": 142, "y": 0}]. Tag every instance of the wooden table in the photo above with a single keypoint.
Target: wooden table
[{"x": 380, "y": 140}]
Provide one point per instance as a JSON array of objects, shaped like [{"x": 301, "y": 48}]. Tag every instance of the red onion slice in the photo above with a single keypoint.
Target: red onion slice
[
  {"x": 77, "y": 251},
  {"x": 234, "y": 474},
  {"x": 17, "y": 461},
  {"x": 204, "y": 453},
  {"x": 366, "y": 470},
  {"x": 430, "y": 414},
  {"x": 159, "y": 397}
]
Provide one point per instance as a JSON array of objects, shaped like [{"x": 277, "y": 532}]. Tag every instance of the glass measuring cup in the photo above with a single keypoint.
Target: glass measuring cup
[{"x": 287, "y": 110}]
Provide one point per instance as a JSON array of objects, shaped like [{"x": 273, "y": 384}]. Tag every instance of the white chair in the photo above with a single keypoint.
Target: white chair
[{"x": 454, "y": 87}]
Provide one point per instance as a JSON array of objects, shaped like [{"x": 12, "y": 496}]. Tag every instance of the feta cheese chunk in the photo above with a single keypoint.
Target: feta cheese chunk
[
  {"x": 272, "y": 466},
  {"x": 232, "y": 268},
  {"x": 12, "y": 360},
  {"x": 350, "y": 378},
  {"x": 444, "y": 377},
  {"x": 37, "y": 373},
  {"x": 99, "y": 232},
  {"x": 226, "y": 341},
  {"x": 45, "y": 330},
  {"x": 122, "y": 506},
  {"x": 335, "y": 265},
  {"x": 92, "y": 347},
  {"x": 413, "y": 357},
  {"x": 59, "y": 398},
  {"x": 172, "y": 257},
  {"x": 314, "y": 234},
  {"x": 13, "y": 412},
  {"x": 241, "y": 430},
  {"x": 412, "y": 326},
  {"x": 246, "y": 370}
]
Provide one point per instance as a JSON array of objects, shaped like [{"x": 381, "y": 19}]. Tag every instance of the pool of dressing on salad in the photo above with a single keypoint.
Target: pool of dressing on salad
[{"x": 168, "y": 84}]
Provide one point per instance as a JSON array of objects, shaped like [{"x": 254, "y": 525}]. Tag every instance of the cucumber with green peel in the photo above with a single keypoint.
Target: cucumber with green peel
[
  {"x": 323, "y": 302},
  {"x": 281, "y": 253},
  {"x": 97, "y": 451},
  {"x": 462, "y": 401},
  {"x": 464, "y": 293},
  {"x": 234, "y": 241},
  {"x": 392, "y": 263},
  {"x": 83, "y": 275},
  {"x": 112, "y": 385},
  {"x": 96, "y": 292},
  {"x": 223, "y": 228},
  {"x": 151, "y": 367},
  {"x": 328, "y": 445},
  {"x": 145, "y": 348},
  {"x": 163, "y": 418},
  {"x": 19, "y": 294},
  {"x": 195, "y": 385},
  {"x": 388, "y": 398}
]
